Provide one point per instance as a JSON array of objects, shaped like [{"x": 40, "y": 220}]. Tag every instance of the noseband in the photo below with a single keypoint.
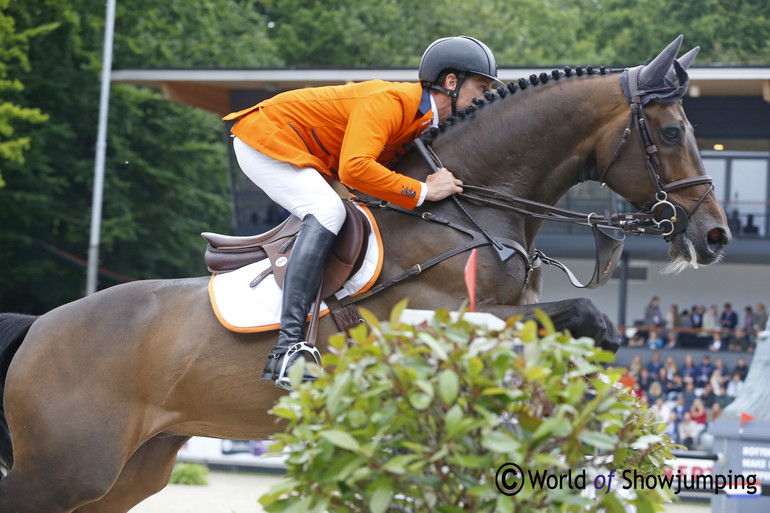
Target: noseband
[{"x": 658, "y": 210}]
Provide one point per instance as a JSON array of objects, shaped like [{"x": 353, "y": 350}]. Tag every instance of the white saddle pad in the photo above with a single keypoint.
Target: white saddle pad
[{"x": 244, "y": 309}]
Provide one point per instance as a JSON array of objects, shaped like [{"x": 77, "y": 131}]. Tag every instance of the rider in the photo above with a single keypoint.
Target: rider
[{"x": 292, "y": 144}]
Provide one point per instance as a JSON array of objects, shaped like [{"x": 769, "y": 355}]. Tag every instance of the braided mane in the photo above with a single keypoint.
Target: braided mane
[{"x": 509, "y": 89}]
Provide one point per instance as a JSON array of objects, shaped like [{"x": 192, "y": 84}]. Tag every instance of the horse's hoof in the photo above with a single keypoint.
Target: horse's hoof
[{"x": 608, "y": 345}]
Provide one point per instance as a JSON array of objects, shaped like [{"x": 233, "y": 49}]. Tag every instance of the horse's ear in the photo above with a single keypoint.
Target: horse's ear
[
  {"x": 653, "y": 74},
  {"x": 686, "y": 59}
]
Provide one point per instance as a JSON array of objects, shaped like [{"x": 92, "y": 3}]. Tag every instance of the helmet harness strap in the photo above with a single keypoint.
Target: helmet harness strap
[{"x": 453, "y": 94}]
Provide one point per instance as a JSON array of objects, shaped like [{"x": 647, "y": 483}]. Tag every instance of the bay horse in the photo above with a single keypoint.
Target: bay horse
[{"x": 101, "y": 393}]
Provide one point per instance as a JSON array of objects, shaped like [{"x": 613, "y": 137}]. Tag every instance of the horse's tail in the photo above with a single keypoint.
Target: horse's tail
[{"x": 13, "y": 329}]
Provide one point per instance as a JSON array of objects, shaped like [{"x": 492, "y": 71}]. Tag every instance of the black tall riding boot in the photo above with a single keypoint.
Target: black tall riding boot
[{"x": 300, "y": 287}]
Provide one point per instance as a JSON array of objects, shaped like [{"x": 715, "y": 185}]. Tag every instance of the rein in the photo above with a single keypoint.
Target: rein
[{"x": 657, "y": 217}]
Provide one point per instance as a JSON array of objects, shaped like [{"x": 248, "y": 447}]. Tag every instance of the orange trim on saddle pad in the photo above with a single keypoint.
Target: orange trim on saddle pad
[{"x": 243, "y": 309}]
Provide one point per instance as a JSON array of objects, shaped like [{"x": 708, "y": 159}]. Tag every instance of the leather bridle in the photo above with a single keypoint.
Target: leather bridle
[{"x": 659, "y": 209}]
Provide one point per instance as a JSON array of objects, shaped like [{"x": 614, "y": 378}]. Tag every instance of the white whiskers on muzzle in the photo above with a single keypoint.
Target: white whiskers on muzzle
[{"x": 680, "y": 264}]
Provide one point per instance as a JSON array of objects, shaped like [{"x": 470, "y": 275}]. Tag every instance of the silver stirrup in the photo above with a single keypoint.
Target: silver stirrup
[{"x": 282, "y": 381}]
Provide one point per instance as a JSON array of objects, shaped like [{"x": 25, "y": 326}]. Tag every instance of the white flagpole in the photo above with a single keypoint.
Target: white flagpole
[{"x": 101, "y": 149}]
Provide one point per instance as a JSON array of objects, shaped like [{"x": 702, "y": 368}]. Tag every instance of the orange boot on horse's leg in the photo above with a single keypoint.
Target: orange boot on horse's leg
[{"x": 300, "y": 287}]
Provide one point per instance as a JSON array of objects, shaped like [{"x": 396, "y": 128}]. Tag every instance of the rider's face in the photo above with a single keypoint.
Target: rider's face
[{"x": 474, "y": 86}]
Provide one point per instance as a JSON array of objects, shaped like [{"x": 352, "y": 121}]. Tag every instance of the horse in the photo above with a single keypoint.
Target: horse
[{"x": 101, "y": 393}]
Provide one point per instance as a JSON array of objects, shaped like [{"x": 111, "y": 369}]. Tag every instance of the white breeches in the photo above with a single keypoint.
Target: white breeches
[{"x": 300, "y": 190}]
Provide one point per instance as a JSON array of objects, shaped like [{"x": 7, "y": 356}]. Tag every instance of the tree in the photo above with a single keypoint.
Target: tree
[
  {"x": 13, "y": 57},
  {"x": 166, "y": 175}
]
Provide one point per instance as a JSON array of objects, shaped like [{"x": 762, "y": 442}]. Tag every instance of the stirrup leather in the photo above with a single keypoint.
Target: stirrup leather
[{"x": 282, "y": 380}]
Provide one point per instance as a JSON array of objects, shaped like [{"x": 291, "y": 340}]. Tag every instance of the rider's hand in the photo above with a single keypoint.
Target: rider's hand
[{"x": 441, "y": 184}]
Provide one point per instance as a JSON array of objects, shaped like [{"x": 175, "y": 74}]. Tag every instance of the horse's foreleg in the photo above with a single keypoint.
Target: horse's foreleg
[
  {"x": 580, "y": 316},
  {"x": 145, "y": 474}
]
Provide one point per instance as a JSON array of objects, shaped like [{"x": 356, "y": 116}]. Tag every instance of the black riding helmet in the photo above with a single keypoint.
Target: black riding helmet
[{"x": 461, "y": 54}]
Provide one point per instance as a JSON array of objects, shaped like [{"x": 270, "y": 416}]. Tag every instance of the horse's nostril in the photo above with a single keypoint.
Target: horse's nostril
[{"x": 717, "y": 238}]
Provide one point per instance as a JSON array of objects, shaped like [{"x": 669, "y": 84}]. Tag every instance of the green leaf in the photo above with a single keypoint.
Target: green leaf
[
  {"x": 381, "y": 493},
  {"x": 500, "y": 442},
  {"x": 341, "y": 439},
  {"x": 398, "y": 464},
  {"x": 296, "y": 372},
  {"x": 423, "y": 396},
  {"x": 553, "y": 427},
  {"x": 545, "y": 321},
  {"x": 452, "y": 418},
  {"x": 599, "y": 440},
  {"x": 448, "y": 386},
  {"x": 395, "y": 314},
  {"x": 435, "y": 345}
]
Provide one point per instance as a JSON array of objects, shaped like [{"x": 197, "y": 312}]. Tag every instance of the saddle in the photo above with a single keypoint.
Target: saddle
[{"x": 228, "y": 253}]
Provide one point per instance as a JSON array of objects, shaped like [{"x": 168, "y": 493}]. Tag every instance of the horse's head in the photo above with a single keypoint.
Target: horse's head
[{"x": 659, "y": 169}]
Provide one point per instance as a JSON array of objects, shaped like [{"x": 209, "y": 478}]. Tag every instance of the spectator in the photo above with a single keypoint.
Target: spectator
[
  {"x": 644, "y": 379},
  {"x": 760, "y": 320},
  {"x": 748, "y": 320},
  {"x": 710, "y": 319},
  {"x": 688, "y": 370},
  {"x": 663, "y": 378},
  {"x": 717, "y": 380},
  {"x": 740, "y": 341},
  {"x": 652, "y": 315},
  {"x": 698, "y": 412},
  {"x": 729, "y": 319},
  {"x": 671, "y": 367},
  {"x": 654, "y": 392},
  {"x": 672, "y": 340},
  {"x": 688, "y": 431},
  {"x": 655, "y": 364},
  {"x": 735, "y": 385},
  {"x": 637, "y": 391},
  {"x": 703, "y": 374},
  {"x": 717, "y": 344},
  {"x": 689, "y": 394},
  {"x": 722, "y": 398},
  {"x": 627, "y": 379},
  {"x": 654, "y": 340},
  {"x": 637, "y": 339},
  {"x": 696, "y": 316},
  {"x": 680, "y": 408},
  {"x": 708, "y": 396},
  {"x": 714, "y": 412},
  {"x": 674, "y": 388},
  {"x": 741, "y": 368},
  {"x": 719, "y": 365},
  {"x": 685, "y": 320},
  {"x": 636, "y": 366},
  {"x": 672, "y": 428},
  {"x": 661, "y": 409},
  {"x": 672, "y": 317}
]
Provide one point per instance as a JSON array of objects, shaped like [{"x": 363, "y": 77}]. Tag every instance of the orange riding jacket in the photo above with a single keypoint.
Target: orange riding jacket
[{"x": 349, "y": 132}]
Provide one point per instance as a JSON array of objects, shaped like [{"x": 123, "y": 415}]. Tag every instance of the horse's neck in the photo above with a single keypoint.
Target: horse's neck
[{"x": 537, "y": 143}]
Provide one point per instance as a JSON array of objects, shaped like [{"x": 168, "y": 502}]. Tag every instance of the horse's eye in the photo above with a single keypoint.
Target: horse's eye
[{"x": 672, "y": 134}]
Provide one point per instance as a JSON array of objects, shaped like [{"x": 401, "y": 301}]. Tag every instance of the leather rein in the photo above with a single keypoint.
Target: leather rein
[{"x": 658, "y": 216}]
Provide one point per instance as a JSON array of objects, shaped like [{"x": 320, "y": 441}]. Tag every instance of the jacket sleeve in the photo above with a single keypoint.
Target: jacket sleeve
[{"x": 372, "y": 125}]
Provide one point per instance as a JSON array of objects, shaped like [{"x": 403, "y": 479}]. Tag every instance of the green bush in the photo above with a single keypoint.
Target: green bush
[
  {"x": 189, "y": 474},
  {"x": 420, "y": 420}
]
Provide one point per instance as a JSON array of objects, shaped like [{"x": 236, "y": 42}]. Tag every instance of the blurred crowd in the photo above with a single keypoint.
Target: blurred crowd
[
  {"x": 688, "y": 396},
  {"x": 698, "y": 327}
]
